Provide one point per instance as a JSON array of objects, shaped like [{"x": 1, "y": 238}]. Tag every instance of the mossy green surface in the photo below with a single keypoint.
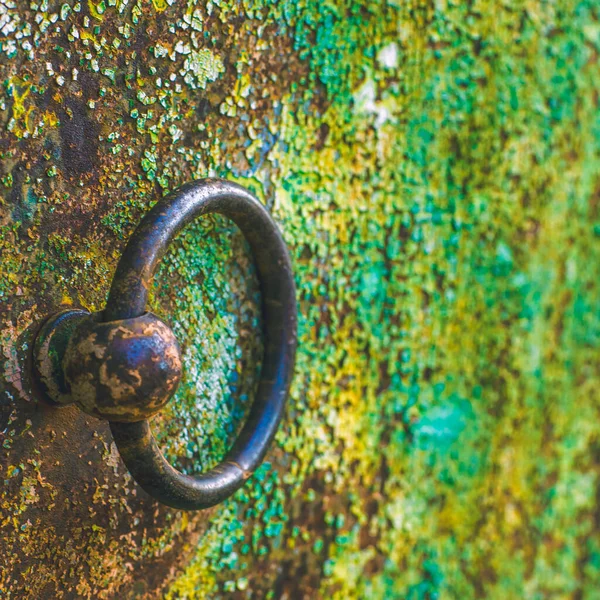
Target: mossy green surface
[{"x": 435, "y": 169}]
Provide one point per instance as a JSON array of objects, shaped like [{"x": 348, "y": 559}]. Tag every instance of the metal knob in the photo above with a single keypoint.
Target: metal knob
[{"x": 123, "y": 364}]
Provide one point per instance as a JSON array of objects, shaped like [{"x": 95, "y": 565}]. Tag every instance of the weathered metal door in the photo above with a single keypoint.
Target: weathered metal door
[{"x": 434, "y": 167}]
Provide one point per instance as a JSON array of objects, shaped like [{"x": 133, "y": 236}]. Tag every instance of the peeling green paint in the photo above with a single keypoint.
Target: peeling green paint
[{"x": 435, "y": 170}]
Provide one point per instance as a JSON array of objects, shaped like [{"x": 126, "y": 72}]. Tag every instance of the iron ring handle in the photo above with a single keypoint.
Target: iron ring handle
[{"x": 67, "y": 362}]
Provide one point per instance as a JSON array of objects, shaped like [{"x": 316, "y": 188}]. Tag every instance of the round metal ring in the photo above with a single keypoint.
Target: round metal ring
[{"x": 128, "y": 297}]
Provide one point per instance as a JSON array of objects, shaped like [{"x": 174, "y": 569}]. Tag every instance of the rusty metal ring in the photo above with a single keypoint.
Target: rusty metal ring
[
  {"x": 128, "y": 297},
  {"x": 124, "y": 363}
]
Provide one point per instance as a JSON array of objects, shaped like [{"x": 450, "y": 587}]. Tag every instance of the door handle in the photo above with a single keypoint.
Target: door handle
[{"x": 123, "y": 364}]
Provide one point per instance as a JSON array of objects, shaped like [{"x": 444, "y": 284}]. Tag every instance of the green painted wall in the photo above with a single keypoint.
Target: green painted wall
[{"x": 435, "y": 168}]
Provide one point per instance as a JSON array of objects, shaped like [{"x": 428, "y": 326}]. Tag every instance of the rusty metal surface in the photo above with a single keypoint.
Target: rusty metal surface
[{"x": 435, "y": 169}]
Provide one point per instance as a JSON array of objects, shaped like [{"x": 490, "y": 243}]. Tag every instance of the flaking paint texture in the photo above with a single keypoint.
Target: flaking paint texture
[{"x": 435, "y": 169}]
